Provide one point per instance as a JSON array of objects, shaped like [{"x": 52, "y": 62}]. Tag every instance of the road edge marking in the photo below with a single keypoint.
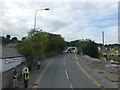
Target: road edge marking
[{"x": 89, "y": 76}]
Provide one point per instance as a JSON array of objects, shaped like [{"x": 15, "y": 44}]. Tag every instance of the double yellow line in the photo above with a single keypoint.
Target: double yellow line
[
  {"x": 41, "y": 75},
  {"x": 86, "y": 73}
]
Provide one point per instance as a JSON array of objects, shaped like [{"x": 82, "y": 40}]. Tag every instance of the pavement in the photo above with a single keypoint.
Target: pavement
[
  {"x": 65, "y": 71},
  {"x": 97, "y": 76},
  {"x": 103, "y": 71},
  {"x": 34, "y": 74}
]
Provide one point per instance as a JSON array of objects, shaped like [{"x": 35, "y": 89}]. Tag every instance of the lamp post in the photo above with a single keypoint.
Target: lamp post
[{"x": 35, "y": 16}]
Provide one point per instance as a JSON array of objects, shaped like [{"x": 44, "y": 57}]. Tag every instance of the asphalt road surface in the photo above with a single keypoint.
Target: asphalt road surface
[{"x": 64, "y": 71}]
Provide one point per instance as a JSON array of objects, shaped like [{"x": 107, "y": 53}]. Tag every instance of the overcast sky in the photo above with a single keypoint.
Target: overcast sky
[{"x": 70, "y": 18}]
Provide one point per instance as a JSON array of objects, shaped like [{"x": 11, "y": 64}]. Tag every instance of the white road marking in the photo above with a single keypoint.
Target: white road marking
[
  {"x": 76, "y": 57},
  {"x": 66, "y": 74},
  {"x": 64, "y": 64},
  {"x": 71, "y": 85},
  {"x": 64, "y": 61}
]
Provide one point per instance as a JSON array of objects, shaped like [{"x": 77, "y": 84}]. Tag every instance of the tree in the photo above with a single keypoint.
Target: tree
[
  {"x": 89, "y": 47},
  {"x": 75, "y": 43},
  {"x": 14, "y": 40},
  {"x": 33, "y": 45},
  {"x": 23, "y": 38},
  {"x": 55, "y": 43},
  {"x": 3, "y": 40},
  {"x": 8, "y": 39},
  {"x": 38, "y": 44}
]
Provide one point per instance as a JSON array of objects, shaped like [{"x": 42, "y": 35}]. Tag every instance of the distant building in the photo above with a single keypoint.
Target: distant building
[
  {"x": 71, "y": 50},
  {"x": 109, "y": 51}
]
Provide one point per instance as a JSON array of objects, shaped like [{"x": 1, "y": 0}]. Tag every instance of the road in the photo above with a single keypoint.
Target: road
[{"x": 64, "y": 71}]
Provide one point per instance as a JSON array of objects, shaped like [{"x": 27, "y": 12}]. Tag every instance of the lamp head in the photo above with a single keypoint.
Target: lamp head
[{"x": 46, "y": 8}]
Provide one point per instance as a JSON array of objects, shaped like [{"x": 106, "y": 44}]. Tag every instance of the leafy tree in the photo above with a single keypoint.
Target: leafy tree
[
  {"x": 8, "y": 37},
  {"x": 23, "y": 38},
  {"x": 33, "y": 45},
  {"x": 3, "y": 39},
  {"x": 89, "y": 47},
  {"x": 38, "y": 44},
  {"x": 14, "y": 40},
  {"x": 55, "y": 43},
  {"x": 75, "y": 43},
  {"x": 6, "y": 40}
]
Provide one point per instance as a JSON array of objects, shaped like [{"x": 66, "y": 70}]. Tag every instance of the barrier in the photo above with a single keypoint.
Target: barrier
[
  {"x": 8, "y": 65},
  {"x": 7, "y": 77}
]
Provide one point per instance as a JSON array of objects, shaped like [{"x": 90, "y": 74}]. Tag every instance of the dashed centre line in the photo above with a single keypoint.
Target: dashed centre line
[
  {"x": 71, "y": 85},
  {"x": 66, "y": 73}
]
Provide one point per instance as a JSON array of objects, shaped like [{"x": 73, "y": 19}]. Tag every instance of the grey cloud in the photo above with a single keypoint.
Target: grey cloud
[
  {"x": 68, "y": 19},
  {"x": 56, "y": 25}
]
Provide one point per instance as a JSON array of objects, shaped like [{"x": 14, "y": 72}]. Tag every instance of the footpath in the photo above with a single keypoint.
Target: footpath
[
  {"x": 97, "y": 76},
  {"x": 34, "y": 74}
]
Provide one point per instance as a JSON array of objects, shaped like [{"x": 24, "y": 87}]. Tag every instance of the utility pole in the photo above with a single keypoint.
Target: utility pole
[{"x": 103, "y": 43}]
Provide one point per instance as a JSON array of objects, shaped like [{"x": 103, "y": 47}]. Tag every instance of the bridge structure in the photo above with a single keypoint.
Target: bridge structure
[{"x": 71, "y": 49}]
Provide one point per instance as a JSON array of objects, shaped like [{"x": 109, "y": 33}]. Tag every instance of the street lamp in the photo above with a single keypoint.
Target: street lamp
[{"x": 35, "y": 16}]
